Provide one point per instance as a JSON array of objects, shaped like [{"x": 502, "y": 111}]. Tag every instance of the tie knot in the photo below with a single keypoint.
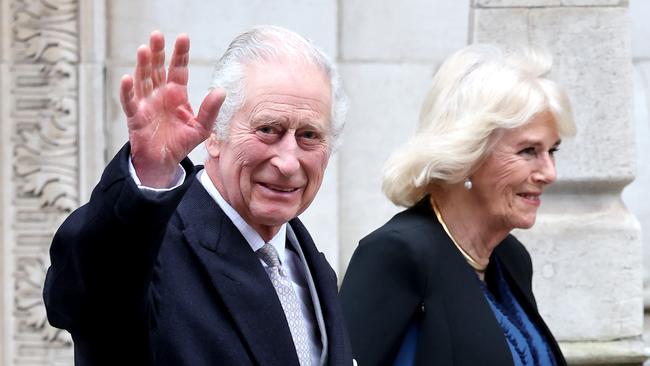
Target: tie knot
[{"x": 269, "y": 255}]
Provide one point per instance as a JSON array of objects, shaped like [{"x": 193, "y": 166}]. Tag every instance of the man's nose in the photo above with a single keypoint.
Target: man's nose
[{"x": 286, "y": 158}]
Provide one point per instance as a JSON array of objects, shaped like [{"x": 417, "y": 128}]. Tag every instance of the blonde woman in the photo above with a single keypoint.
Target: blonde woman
[{"x": 444, "y": 282}]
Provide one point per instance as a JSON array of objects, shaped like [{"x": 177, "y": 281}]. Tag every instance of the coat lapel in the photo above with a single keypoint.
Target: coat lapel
[
  {"x": 238, "y": 277},
  {"x": 519, "y": 283},
  {"x": 472, "y": 311},
  {"x": 472, "y": 324},
  {"x": 338, "y": 351},
  {"x": 514, "y": 270}
]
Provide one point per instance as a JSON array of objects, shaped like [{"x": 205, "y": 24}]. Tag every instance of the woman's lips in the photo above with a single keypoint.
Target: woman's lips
[{"x": 531, "y": 198}]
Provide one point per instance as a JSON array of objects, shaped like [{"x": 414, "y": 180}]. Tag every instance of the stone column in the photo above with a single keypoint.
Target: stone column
[
  {"x": 52, "y": 144},
  {"x": 586, "y": 245},
  {"x": 635, "y": 195}
]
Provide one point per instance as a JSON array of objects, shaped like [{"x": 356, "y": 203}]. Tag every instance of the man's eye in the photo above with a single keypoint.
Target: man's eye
[
  {"x": 267, "y": 130},
  {"x": 553, "y": 151},
  {"x": 309, "y": 135}
]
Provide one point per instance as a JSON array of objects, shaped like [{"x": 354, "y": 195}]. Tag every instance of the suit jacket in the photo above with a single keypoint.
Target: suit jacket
[
  {"x": 169, "y": 280},
  {"x": 409, "y": 270}
]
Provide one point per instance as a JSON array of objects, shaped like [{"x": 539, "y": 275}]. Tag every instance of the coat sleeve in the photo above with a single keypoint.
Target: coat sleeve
[
  {"x": 103, "y": 254},
  {"x": 381, "y": 294}
]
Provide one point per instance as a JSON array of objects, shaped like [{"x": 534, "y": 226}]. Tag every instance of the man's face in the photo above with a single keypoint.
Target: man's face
[{"x": 272, "y": 164}]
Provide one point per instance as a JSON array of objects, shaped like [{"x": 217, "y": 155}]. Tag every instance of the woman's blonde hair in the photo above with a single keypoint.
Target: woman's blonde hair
[{"x": 477, "y": 92}]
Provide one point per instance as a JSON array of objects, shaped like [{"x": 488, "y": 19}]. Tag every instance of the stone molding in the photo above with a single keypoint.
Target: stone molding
[
  {"x": 547, "y": 3},
  {"x": 614, "y": 353}
]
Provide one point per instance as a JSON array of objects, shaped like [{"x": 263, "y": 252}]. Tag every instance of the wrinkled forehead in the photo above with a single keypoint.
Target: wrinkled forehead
[
  {"x": 303, "y": 67},
  {"x": 298, "y": 86}
]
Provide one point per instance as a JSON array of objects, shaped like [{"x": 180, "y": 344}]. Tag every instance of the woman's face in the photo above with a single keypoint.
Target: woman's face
[{"x": 510, "y": 182}]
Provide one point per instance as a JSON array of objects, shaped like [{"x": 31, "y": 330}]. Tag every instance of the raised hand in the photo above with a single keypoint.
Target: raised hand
[{"x": 162, "y": 126}]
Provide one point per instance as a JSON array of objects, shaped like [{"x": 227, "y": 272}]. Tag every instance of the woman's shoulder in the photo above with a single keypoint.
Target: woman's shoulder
[
  {"x": 394, "y": 254},
  {"x": 410, "y": 232}
]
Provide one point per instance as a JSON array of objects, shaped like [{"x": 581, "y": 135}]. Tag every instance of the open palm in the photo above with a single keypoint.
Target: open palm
[{"x": 162, "y": 126}]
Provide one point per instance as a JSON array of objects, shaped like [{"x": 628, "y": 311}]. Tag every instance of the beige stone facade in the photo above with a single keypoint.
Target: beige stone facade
[{"x": 60, "y": 66}]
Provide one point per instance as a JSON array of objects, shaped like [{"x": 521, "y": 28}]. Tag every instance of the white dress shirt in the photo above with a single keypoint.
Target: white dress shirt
[{"x": 289, "y": 259}]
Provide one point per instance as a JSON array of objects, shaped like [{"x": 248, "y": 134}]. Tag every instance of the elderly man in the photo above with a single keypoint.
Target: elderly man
[{"x": 171, "y": 264}]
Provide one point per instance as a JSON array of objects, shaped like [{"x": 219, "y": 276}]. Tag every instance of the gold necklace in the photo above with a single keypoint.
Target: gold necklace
[{"x": 472, "y": 262}]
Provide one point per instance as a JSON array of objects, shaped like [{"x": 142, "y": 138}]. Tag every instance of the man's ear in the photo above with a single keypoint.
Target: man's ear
[{"x": 213, "y": 146}]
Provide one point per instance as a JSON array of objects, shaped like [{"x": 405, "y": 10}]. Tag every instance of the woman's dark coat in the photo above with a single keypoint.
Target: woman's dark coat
[{"x": 409, "y": 269}]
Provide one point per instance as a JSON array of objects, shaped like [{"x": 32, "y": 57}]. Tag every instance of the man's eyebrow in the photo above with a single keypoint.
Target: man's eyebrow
[
  {"x": 314, "y": 125},
  {"x": 267, "y": 119}
]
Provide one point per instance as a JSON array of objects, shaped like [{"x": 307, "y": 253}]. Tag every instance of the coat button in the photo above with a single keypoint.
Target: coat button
[{"x": 422, "y": 308}]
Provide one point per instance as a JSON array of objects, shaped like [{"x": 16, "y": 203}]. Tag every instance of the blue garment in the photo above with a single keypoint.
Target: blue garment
[
  {"x": 406, "y": 353},
  {"x": 527, "y": 345}
]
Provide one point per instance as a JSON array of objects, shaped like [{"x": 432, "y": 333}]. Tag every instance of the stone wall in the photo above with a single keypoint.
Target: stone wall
[
  {"x": 387, "y": 65},
  {"x": 60, "y": 66}
]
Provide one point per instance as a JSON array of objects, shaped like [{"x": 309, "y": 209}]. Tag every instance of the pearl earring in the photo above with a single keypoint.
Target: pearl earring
[{"x": 467, "y": 183}]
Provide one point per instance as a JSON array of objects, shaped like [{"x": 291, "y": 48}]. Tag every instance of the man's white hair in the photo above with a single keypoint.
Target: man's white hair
[{"x": 271, "y": 43}]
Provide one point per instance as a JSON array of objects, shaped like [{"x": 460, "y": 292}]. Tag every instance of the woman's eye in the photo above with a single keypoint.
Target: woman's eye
[
  {"x": 553, "y": 151},
  {"x": 529, "y": 151}
]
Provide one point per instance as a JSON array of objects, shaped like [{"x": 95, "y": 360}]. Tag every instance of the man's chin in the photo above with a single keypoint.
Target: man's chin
[{"x": 275, "y": 217}]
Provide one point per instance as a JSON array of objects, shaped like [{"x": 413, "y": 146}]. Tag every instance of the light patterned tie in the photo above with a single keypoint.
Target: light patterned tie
[{"x": 289, "y": 301}]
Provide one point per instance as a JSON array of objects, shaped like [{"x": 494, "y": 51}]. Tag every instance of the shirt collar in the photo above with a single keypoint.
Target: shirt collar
[{"x": 252, "y": 237}]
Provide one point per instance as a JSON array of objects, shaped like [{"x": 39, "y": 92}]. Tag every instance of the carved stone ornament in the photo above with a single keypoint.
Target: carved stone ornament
[{"x": 43, "y": 69}]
